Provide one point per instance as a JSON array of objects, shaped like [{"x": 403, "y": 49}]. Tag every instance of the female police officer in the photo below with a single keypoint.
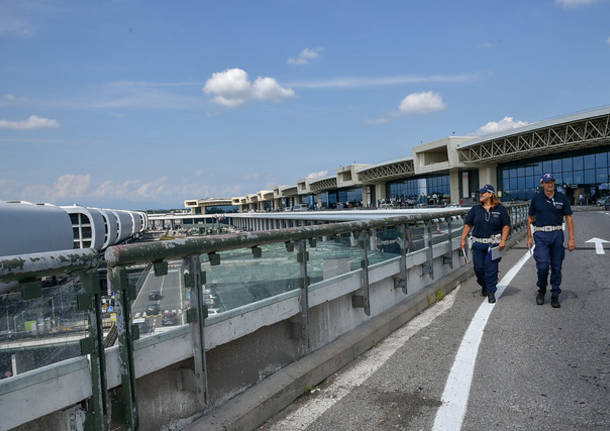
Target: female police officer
[{"x": 490, "y": 225}]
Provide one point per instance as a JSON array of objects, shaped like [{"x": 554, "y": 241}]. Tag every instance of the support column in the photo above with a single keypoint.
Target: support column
[
  {"x": 379, "y": 192},
  {"x": 454, "y": 186},
  {"x": 366, "y": 197},
  {"x": 488, "y": 175}
]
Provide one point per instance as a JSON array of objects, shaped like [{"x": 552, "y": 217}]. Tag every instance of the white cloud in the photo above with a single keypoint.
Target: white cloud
[
  {"x": 9, "y": 97},
  {"x": 414, "y": 103},
  {"x": 70, "y": 186},
  {"x": 608, "y": 40},
  {"x": 351, "y": 82},
  {"x": 315, "y": 175},
  {"x": 421, "y": 103},
  {"x": 33, "y": 122},
  {"x": 232, "y": 88},
  {"x": 305, "y": 56},
  {"x": 506, "y": 123},
  {"x": 15, "y": 27},
  {"x": 486, "y": 45},
  {"x": 574, "y": 3}
]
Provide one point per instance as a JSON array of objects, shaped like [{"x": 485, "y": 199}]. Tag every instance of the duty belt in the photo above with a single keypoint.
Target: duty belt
[
  {"x": 494, "y": 239},
  {"x": 547, "y": 228}
]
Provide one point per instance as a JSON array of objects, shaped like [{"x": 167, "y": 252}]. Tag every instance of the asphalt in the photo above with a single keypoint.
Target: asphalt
[{"x": 537, "y": 367}]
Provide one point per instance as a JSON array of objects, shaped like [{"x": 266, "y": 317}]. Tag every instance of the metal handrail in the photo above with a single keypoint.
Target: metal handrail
[
  {"x": 36, "y": 265},
  {"x": 120, "y": 255}
]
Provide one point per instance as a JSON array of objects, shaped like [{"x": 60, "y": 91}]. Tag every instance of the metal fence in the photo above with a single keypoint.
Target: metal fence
[{"x": 297, "y": 258}]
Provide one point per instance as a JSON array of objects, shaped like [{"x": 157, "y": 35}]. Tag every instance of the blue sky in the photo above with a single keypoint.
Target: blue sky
[{"x": 143, "y": 104}]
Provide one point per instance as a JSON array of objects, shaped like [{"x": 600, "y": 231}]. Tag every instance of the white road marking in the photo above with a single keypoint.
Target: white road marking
[
  {"x": 361, "y": 369},
  {"x": 450, "y": 414},
  {"x": 599, "y": 245}
]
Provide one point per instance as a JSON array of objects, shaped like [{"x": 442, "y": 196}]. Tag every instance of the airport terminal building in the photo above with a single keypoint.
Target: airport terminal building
[{"x": 575, "y": 148}]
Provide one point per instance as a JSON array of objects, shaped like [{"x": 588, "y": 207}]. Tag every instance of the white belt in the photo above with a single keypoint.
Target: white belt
[
  {"x": 547, "y": 228},
  {"x": 494, "y": 239}
]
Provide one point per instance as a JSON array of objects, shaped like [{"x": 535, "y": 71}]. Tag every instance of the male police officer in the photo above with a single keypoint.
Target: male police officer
[{"x": 547, "y": 211}]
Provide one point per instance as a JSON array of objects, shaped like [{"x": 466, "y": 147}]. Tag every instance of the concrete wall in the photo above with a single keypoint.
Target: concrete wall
[{"x": 244, "y": 346}]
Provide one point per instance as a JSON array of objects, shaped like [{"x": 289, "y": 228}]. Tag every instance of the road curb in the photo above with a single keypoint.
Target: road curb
[{"x": 253, "y": 407}]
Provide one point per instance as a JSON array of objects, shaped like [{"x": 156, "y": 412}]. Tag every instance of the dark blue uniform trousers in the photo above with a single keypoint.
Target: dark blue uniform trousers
[
  {"x": 549, "y": 253},
  {"x": 485, "y": 269}
]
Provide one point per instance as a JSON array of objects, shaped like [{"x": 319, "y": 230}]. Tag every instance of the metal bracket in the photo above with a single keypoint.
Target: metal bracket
[
  {"x": 303, "y": 322},
  {"x": 289, "y": 246},
  {"x": 300, "y": 256},
  {"x": 428, "y": 267},
  {"x": 214, "y": 258},
  {"x": 312, "y": 242},
  {"x": 30, "y": 289},
  {"x": 160, "y": 267},
  {"x": 86, "y": 346},
  {"x": 196, "y": 317},
  {"x": 257, "y": 252},
  {"x": 364, "y": 275}
]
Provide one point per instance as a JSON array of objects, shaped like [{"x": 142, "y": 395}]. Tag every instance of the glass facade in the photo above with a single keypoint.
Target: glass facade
[
  {"x": 219, "y": 209},
  {"x": 342, "y": 198},
  {"x": 419, "y": 189},
  {"x": 576, "y": 172}
]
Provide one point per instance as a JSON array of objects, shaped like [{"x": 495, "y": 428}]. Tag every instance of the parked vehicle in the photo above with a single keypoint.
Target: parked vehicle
[
  {"x": 169, "y": 318},
  {"x": 154, "y": 295},
  {"x": 153, "y": 309}
]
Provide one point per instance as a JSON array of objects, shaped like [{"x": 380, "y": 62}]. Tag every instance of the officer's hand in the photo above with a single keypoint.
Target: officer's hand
[
  {"x": 502, "y": 245},
  {"x": 463, "y": 243},
  {"x": 530, "y": 242},
  {"x": 571, "y": 244}
]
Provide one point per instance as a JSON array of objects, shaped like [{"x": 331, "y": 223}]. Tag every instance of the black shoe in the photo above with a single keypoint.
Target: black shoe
[
  {"x": 491, "y": 298},
  {"x": 540, "y": 298},
  {"x": 483, "y": 291},
  {"x": 555, "y": 301}
]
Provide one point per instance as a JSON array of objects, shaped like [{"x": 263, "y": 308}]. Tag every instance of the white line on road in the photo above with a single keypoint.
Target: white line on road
[
  {"x": 361, "y": 370},
  {"x": 450, "y": 414}
]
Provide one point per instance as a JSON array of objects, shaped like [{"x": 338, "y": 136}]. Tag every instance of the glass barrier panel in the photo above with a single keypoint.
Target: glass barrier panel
[
  {"x": 41, "y": 331},
  {"x": 416, "y": 234},
  {"x": 159, "y": 304},
  {"x": 333, "y": 256},
  {"x": 242, "y": 278},
  {"x": 385, "y": 245}
]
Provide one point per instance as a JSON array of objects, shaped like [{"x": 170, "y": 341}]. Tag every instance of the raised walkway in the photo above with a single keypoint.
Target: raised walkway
[{"x": 536, "y": 368}]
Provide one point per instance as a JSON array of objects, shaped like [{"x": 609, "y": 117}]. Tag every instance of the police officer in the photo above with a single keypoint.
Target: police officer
[
  {"x": 490, "y": 225},
  {"x": 547, "y": 210}
]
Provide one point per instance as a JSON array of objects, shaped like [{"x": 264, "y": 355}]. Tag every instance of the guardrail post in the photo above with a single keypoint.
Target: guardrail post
[
  {"x": 97, "y": 417},
  {"x": 302, "y": 258},
  {"x": 404, "y": 245},
  {"x": 448, "y": 258},
  {"x": 127, "y": 407},
  {"x": 196, "y": 316},
  {"x": 363, "y": 301},
  {"x": 428, "y": 267}
]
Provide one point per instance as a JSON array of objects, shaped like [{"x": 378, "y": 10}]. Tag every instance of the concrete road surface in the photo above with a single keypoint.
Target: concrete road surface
[{"x": 536, "y": 368}]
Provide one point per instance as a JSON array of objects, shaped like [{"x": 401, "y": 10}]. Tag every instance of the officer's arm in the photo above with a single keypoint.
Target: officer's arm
[
  {"x": 571, "y": 241},
  {"x": 465, "y": 232},
  {"x": 505, "y": 231},
  {"x": 530, "y": 220}
]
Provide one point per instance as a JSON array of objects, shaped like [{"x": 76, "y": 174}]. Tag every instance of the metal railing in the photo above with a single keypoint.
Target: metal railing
[{"x": 26, "y": 272}]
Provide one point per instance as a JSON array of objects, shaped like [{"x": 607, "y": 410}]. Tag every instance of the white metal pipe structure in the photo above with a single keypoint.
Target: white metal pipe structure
[
  {"x": 28, "y": 228},
  {"x": 87, "y": 227},
  {"x": 111, "y": 235},
  {"x": 125, "y": 224},
  {"x": 137, "y": 223}
]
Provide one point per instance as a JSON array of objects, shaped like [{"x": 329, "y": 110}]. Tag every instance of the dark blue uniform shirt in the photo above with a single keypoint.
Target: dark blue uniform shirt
[
  {"x": 549, "y": 211},
  {"x": 486, "y": 224}
]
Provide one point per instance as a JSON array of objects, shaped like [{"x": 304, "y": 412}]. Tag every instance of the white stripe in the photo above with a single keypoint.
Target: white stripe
[
  {"x": 450, "y": 414},
  {"x": 361, "y": 369}
]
